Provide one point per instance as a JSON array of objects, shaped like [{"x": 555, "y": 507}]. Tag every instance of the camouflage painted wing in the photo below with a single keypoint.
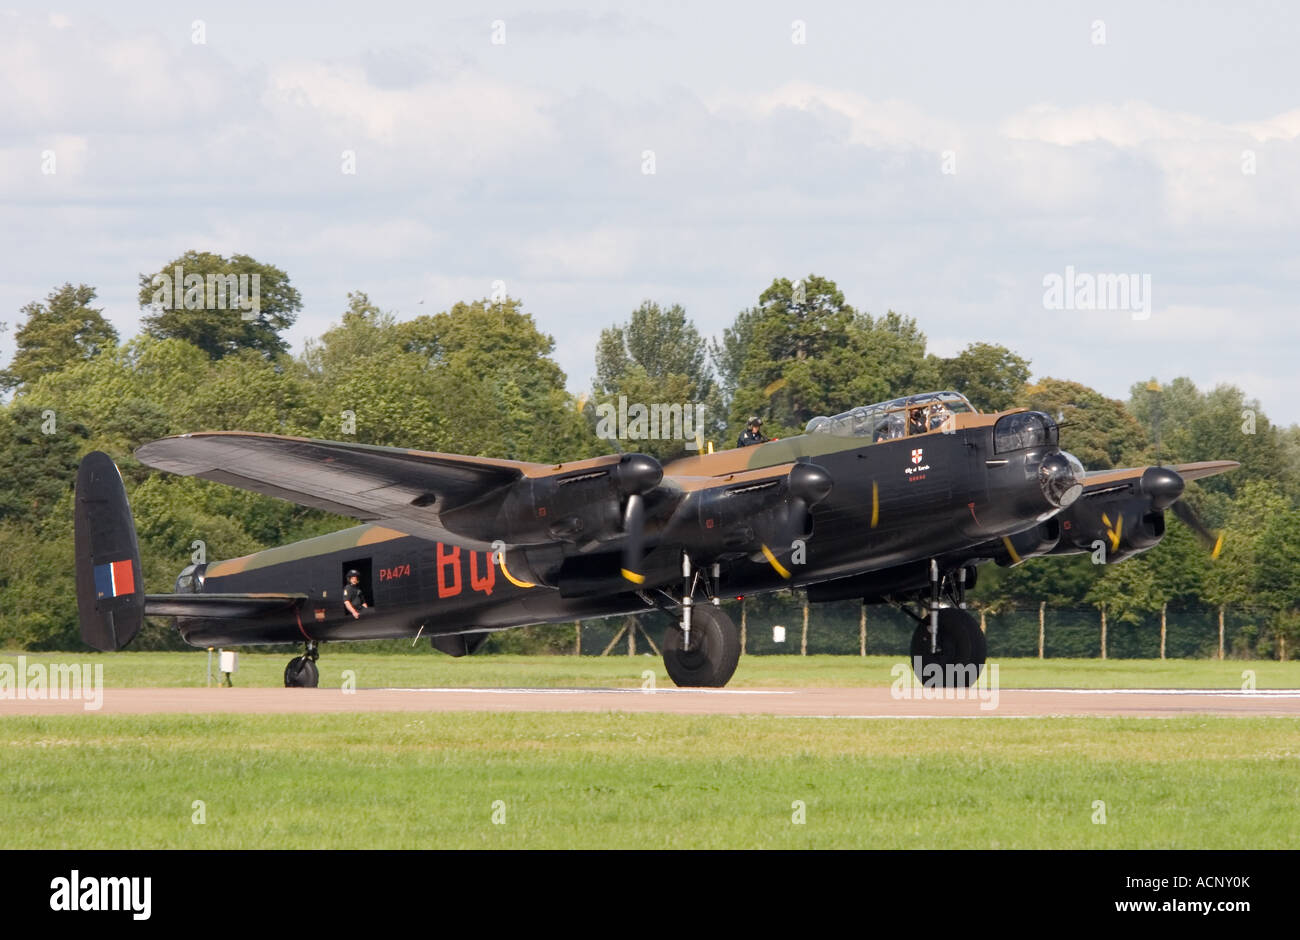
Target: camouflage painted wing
[
  {"x": 408, "y": 490},
  {"x": 1104, "y": 481}
]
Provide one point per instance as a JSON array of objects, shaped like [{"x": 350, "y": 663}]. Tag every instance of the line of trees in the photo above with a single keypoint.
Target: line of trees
[{"x": 480, "y": 378}]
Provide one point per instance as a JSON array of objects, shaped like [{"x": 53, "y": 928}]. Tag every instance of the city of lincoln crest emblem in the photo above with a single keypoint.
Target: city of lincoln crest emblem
[{"x": 916, "y": 455}]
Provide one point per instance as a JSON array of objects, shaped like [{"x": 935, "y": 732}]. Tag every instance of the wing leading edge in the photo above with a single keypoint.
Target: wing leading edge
[{"x": 408, "y": 490}]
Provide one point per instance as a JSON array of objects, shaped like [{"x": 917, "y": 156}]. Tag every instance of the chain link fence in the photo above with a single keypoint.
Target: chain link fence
[{"x": 837, "y": 629}]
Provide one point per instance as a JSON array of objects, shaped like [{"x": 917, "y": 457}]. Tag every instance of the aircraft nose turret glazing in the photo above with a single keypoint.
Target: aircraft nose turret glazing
[{"x": 1061, "y": 477}]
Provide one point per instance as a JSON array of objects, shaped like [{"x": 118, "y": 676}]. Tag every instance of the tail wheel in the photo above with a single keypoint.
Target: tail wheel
[
  {"x": 711, "y": 659},
  {"x": 959, "y": 659},
  {"x": 301, "y": 673}
]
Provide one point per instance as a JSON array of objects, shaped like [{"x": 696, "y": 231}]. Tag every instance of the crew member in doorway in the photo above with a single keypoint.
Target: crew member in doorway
[
  {"x": 753, "y": 433},
  {"x": 353, "y": 597}
]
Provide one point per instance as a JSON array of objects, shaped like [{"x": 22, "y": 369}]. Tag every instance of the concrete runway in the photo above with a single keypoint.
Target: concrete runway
[{"x": 878, "y": 702}]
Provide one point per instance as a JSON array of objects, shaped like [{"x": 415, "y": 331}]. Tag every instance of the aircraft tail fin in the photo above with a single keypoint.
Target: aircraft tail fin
[{"x": 110, "y": 582}]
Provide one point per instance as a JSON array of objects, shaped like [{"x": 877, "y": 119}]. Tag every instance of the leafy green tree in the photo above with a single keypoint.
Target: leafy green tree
[
  {"x": 657, "y": 357},
  {"x": 38, "y": 594},
  {"x": 1060, "y": 581},
  {"x": 39, "y": 454},
  {"x": 1221, "y": 424},
  {"x": 213, "y": 309},
  {"x": 495, "y": 352},
  {"x": 1288, "y": 475},
  {"x": 1128, "y": 590},
  {"x": 477, "y": 379},
  {"x": 364, "y": 332},
  {"x": 58, "y": 333},
  {"x": 1180, "y": 565},
  {"x": 1096, "y": 429},
  {"x": 662, "y": 342},
  {"x": 1232, "y": 578},
  {"x": 795, "y": 339},
  {"x": 728, "y": 354},
  {"x": 1276, "y": 579},
  {"x": 804, "y": 351},
  {"x": 991, "y": 376}
]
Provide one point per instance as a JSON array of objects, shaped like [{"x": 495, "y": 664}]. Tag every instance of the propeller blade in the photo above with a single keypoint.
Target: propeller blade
[
  {"x": 1185, "y": 515},
  {"x": 633, "y": 545},
  {"x": 809, "y": 484}
]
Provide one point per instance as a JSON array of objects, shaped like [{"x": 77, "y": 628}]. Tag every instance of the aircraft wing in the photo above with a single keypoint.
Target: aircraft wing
[
  {"x": 1105, "y": 481},
  {"x": 408, "y": 490}
]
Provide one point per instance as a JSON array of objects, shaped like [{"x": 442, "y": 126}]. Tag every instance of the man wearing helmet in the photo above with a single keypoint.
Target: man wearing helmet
[
  {"x": 353, "y": 597},
  {"x": 916, "y": 420},
  {"x": 753, "y": 433}
]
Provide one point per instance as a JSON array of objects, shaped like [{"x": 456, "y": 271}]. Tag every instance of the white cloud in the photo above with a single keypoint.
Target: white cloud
[
  {"x": 870, "y": 123},
  {"x": 476, "y": 163},
  {"x": 456, "y": 125}
]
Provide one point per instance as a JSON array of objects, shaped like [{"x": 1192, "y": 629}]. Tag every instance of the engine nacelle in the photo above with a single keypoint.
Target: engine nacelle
[
  {"x": 749, "y": 516},
  {"x": 1116, "y": 528},
  {"x": 582, "y": 507},
  {"x": 1039, "y": 540}
]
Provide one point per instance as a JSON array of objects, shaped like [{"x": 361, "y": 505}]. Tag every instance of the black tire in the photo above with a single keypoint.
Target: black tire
[
  {"x": 301, "y": 673},
  {"x": 961, "y": 653},
  {"x": 714, "y": 654},
  {"x": 979, "y": 647}
]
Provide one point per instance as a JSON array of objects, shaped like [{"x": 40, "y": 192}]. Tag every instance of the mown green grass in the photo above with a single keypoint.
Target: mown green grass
[
  {"x": 614, "y": 780},
  {"x": 386, "y": 670}
]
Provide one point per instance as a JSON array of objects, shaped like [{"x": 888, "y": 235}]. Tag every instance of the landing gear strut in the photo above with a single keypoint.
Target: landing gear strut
[
  {"x": 301, "y": 673},
  {"x": 948, "y": 648},
  {"x": 958, "y": 657},
  {"x": 711, "y": 657},
  {"x": 703, "y": 648}
]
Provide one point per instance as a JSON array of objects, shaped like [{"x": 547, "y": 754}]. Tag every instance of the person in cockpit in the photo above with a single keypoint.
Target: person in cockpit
[
  {"x": 753, "y": 433},
  {"x": 889, "y": 429},
  {"x": 939, "y": 413},
  {"x": 916, "y": 422}
]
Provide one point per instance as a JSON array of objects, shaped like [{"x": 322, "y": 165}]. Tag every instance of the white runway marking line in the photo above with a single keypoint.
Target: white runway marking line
[
  {"x": 604, "y": 691},
  {"x": 1222, "y": 693},
  {"x": 919, "y": 717}
]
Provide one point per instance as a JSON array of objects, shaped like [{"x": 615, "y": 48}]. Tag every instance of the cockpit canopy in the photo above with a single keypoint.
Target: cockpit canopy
[{"x": 901, "y": 417}]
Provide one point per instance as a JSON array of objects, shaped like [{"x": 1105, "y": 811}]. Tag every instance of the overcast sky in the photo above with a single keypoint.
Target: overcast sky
[{"x": 941, "y": 160}]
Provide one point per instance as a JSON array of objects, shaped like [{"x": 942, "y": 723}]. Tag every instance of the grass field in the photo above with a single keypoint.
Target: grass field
[
  {"x": 646, "y": 781},
  {"x": 610, "y": 780},
  {"x": 387, "y": 670}
]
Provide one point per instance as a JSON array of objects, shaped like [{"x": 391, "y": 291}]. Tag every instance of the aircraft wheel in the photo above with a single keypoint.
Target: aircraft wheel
[
  {"x": 979, "y": 647},
  {"x": 713, "y": 654},
  {"x": 301, "y": 673},
  {"x": 960, "y": 657}
]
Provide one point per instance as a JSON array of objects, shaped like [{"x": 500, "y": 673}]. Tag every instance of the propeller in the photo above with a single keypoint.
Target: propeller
[
  {"x": 636, "y": 475},
  {"x": 1164, "y": 487},
  {"x": 634, "y": 540},
  {"x": 1185, "y": 515},
  {"x": 807, "y": 485}
]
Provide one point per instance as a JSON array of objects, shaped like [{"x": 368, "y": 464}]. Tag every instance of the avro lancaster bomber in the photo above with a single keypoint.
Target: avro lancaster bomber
[{"x": 896, "y": 503}]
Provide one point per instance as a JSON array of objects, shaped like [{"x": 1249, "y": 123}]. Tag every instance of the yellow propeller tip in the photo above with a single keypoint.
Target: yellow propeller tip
[
  {"x": 1218, "y": 547},
  {"x": 776, "y": 565},
  {"x": 632, "y": 576}
]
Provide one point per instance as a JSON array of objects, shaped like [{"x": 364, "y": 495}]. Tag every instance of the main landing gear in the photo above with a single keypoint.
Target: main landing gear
[
  {"x": 301, "y": 673},
  {"x": 703, "y": 648},
  {"x": 948, "y": 647}
]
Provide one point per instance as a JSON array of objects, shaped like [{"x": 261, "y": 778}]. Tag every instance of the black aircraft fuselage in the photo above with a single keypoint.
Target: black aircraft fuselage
[
  {"x": 898, "y": 502},
  {"x": 894, "y": 505}
]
